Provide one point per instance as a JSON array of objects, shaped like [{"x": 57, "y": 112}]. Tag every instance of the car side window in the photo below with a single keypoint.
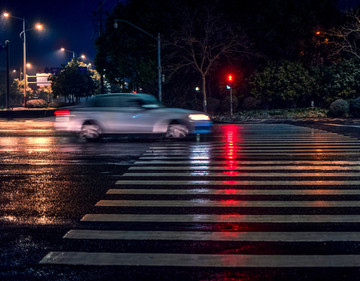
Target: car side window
[
  {"x": 134, "y": 102},
  {"x": 115, "y": 101}
]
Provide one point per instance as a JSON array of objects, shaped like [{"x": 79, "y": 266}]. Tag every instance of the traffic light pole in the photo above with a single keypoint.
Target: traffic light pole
[
  {"x": 231, "y": 103},
  {"x": 230, "y": 79}
]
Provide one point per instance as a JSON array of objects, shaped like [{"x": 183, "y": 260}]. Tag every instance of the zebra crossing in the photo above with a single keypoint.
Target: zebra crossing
[{"x": 255, "y": 196}]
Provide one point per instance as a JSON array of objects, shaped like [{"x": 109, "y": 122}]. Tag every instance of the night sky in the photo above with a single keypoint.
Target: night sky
[{"x": 69, "y": 24}]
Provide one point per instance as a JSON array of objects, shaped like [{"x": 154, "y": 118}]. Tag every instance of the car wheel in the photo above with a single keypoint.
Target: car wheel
[
  {"x": 177, "y": 131},
  {"x": 90, "y": 132}
]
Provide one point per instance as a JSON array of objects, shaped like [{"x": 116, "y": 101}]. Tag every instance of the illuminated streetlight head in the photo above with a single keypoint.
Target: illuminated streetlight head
[
  {"x": 28, "y": 65},
  {"x": 62, "y": 49},
  {"x": 6, "y": 15},
  {"x": 83, "y": 57},
  {"x": 39, "y": 26}
]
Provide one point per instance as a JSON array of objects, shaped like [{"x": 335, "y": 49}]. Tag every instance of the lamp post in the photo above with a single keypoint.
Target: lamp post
[
  {"x": 7, "y": 97},
  {"x": 82, "y": 56},
  {"x": 158, "y": 47},
  {"x": 65, "y": 50},
  {"x": 7, "y": 15},
  {"x": 23, "y": 33}
]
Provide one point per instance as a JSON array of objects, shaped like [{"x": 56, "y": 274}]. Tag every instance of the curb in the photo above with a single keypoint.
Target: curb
[{"x": 10, "y": 114}]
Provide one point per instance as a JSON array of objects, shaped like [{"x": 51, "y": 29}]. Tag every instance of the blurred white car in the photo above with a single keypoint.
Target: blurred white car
[{"x": 124, "y": 113}]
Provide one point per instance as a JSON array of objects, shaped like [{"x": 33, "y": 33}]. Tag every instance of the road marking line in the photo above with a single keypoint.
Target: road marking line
[
  {"x": 200, "y": 218},
  {"x": 205, "y": 203},
  {"x": 229, "y": 183},
  {"x": 244, "y": 162},
  {"x": 243, "y": 168},
  {"x": 200, "y": 260},
  {"x": 287, "y": 141},
  {"x": 243, "y": 174},
  {"x": 263, "y": 144},
  {"x": 260, "y": 148},
  {"x": 235, "y": 157},
  {"x": 233, "y": 192},
  {"x": 282, "y": 150},
  {"x": 214, "y": 236},
  {"x": 177, "y": 155}
]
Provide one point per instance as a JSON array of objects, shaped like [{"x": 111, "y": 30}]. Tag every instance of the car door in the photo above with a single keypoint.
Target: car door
[
  {"x": 106, "y": 110},
  {"x": 134, "y": 118}
]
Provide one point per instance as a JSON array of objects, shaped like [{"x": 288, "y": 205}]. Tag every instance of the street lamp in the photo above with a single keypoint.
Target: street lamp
[
  {"x": 158, "y": 45},
  {"x": 65, "y": 50},
  {"x": 38, "y": 26},
  {"x": 7, "y": 97}
]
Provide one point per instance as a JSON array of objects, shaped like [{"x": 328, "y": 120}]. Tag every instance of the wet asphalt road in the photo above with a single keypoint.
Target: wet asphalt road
[{"x": 257, "y": 174}]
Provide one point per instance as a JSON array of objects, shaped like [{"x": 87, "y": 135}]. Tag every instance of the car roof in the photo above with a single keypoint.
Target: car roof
[{"x": 124, "y": 94}]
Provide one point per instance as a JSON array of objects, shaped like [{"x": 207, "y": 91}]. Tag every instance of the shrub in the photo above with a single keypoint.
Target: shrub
[
  {"x": 339, "y": 108},
  {"x": 339, "y": 80},
  {"x": 39, "y": 103},
  {"x": 250, "y": 103},
  {"x": 282, "y": 84},
  {"x": 355, "y": 107}
]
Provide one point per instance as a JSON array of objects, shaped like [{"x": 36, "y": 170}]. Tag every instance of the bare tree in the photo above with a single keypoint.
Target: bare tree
[
  {"x": 203, "y": 40},
  {"x": 346, "y": 38}
]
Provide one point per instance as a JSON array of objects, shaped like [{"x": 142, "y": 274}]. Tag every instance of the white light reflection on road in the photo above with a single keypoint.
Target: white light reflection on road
[{"x": 200, "y": 154}]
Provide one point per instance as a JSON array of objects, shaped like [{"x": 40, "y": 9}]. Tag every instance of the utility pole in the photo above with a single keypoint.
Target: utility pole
[
  {"x": 99, "y": 29},
  {"x": 158, "y": 40}
]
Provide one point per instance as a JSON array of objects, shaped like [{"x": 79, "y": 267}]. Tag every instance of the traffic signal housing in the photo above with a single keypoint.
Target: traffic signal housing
[{"x": 230, "y": 79}]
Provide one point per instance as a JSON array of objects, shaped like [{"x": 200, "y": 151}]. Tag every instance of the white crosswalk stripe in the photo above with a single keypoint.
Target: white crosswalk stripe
[
  {"x": 262, "y": 184},
  {"x": 214, "y": 236}
]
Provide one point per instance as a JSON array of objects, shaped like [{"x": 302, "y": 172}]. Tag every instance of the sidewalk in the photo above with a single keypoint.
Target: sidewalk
[
  {"x": 22, "y": 112},
  {"x": 308, "y": 120}
]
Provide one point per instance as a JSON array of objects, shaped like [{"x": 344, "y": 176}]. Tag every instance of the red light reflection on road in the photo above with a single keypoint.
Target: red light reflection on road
[
  {"x": 230, "y": 191},
  {"x": 231, "y": 138},
  {"x": 230, "y": 202},
  {"x": 230, "y": 182}
]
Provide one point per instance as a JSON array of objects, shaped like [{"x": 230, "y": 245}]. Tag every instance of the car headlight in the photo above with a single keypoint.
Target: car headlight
[{"x": 198, "y": 117}]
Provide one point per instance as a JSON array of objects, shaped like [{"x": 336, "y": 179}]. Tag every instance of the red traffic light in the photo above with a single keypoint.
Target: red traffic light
[{"x": 230, "y": 78}]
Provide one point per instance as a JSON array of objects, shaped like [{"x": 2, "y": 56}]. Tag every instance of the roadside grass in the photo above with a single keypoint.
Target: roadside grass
[{"x": 291, "y": 113}]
